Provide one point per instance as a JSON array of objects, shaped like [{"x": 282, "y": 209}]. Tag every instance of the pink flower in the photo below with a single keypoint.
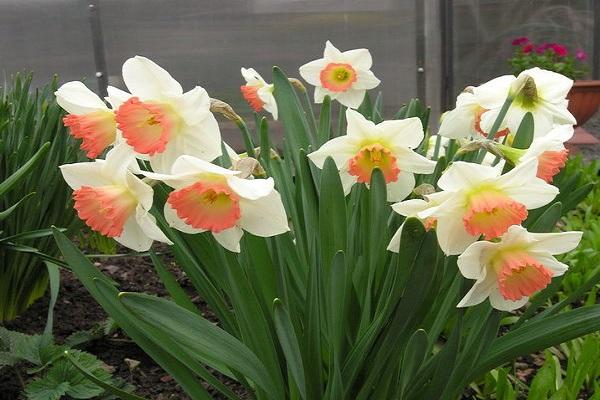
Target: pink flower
[
  {"x": 542, "y": 48},
  {"x": 559, "y": 49},
  {"x": 580, "y": 55},
  {"x": 520, "y": 41},
  {"x": 528, "y": 48}
]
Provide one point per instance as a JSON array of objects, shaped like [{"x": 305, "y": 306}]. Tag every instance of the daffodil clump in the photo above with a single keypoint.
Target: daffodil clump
[{"x": 367, "y": 260}]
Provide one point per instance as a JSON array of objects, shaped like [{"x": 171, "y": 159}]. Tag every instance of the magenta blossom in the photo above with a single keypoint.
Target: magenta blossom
[
  {"x": 528, "y": 48},
  {"x": 559, "y": 49},
  {"x": 580, "y": 55},
  {"x": 520, "y": 41},
  {"x": 542, "y": 48}
]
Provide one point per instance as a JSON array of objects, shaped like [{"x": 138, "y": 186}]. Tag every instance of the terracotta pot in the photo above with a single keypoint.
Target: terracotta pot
[{"x": 584, "y": 99}]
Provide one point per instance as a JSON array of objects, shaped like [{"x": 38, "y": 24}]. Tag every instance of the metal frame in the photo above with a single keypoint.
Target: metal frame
[{"x": 98, "y": 45}]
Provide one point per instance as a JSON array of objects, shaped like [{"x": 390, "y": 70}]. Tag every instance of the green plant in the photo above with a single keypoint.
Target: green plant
[
  {"x": 324, "y": 311},
  {"x": 30, "y": 124},
  {"x": 57, "y": 371},
  {"x": 550, "y": 56}
]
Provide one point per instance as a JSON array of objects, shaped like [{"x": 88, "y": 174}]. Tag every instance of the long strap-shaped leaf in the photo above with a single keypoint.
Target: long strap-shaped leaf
[{"x": 539, "y": 335}]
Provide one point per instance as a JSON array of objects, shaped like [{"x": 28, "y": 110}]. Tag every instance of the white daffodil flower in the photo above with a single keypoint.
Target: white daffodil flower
[
  {"x": 388, "y": 146},
  {"x": 344, "y": 76},
  {"x": 211, "y": 198},
  {"x": 113, "y": 201},
  {"x": 484, "y": 202},
  {"x": 549, "y": 150},
  {"x": 412, "y": 208},
  {"x": 541, "y": 92},
  {"x": 513, "y": 269},
  {"x": 89, "y": 118},
  {"x": 464, "y": 121},
  {"x": 488, "y": 159},
  {"x": 258, "y": 93},
  {"x": 161, "y": 122}
]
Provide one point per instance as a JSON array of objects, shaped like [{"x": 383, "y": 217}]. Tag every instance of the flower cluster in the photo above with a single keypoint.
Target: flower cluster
[
  {"x": 551, "y": 56},
  {"x": 161, "y": 134}
]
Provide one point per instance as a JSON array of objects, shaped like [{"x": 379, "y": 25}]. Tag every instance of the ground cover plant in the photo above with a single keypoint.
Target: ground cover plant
[{"x": 322, "y": 288}]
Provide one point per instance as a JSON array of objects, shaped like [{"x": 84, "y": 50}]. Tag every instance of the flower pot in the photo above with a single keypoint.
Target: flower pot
[{"x": 584, "y": 99}]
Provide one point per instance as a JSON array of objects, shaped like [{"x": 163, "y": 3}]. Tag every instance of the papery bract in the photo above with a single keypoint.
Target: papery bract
[
  {"x": 89, "y": 118},
  {"x": 258, "y": 93},
  {"x": 388, "y": 146},
  {"x": 513, "y": 269},
  {"x": 113, "y": 201},
  {"x": 160, "y": 121},
  {"x": 343, "y": 76},
  {"x": 484, "y": 202},
  {"x": 211, "y": 198}
]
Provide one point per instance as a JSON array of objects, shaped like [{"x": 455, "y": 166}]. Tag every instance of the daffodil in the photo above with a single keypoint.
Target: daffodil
[
  {"x": 412, "y": 208},
  {"x": 549, "y": 150},
  {"x": 211, "y": 198},
  {"x": 113, "y": 201},
  {"x": 89, "y": 118},
  {"x": 464, "y": 121},
  {"x": 512, "y": 269},
  {"x": 162, "y": 122},
  {"x": 344, "y": 76},
  {"x": 258, "y": 93},
  {"x": 484, "y": 202},
  {"x": 388, "y": 146},
  {"x": 541, "y": 92}
]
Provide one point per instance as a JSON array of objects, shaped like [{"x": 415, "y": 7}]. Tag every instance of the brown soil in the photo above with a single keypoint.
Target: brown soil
[{"x": 76, "y": 311}]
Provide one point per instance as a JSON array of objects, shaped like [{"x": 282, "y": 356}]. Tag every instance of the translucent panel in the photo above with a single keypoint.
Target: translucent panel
[
  {"x": 484, "y": 29},
  {"x": 46, "y": 37},
  {"x": 207, "y": 42}
]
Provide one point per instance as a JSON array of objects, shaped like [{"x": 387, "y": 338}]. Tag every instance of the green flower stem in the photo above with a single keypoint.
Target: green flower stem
[
  {"x": 246, "y": 136},
  {"x": 341, "y": 120},
  {"x": 311, "y": 117},
  {"x": 496, "y": 125}
]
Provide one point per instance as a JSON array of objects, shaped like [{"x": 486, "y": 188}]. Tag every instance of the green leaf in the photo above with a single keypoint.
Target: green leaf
[
  {"x": 46, "y": 389},
  {"x": 414, "y": 354},
  {"x": 324, "y": 132},
  {"x": 332, "y": 214},
  {"x": 54, "y": 279},
  {"x": 22, "y": 172},
  {"x": 538, "y": 335},
  {"x": 204, "y": 340},
  {"x": 547, "y": 221},
  {"x": 524, "y": 135},
  {"x": 92, "y": 374},
  {"x": 6, "y": 213},
  {"x": 171, "y": 284},
  {"x": 289, "y": 344}
]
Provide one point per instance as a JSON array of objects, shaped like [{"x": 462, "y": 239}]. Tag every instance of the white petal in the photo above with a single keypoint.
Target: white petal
[
  {"x": 251, "y": 76},
  {"x": 359, "y": 128},
  {"x": 365, "y": 80},
  {"x": 551, "y": 263},
  {"x": 551, "y": 86},
  {"x": 460, "y": 122},
  {"x": 411, "y": 207},
  {"x": 559, "y": 112},
  {"x": 77, "y": 99},
  {"x": 230, "y": 238},
  {"x": 84, "y": 174},
  {"x": 492, "y": 94},
  {"x": 500, "y": 303},
  {"x": 347, "y": 180},
  {"x": 478, "y": 293},
  {"x": 116, "y": 96},
  {"x": 147, "y": 80},
  {"x": 400, "y": 189},
  {"x": 471, "y": 262},
  {"x": 452, "y": 236},
  {"x": 404, "y": 133},
  {"x": 187, "y": 164},
  {"x": 264, "y": 217},
  {"x": 332, "y": 52},
  {"x": 554, "y": 243},
  {"x": 175, "y": 222},
  {"x": 251, "y": 189},
  {"x": 462, "y": 175},
  {"x": 351, "y": 98},
  {"x": 395, "y": 241},
  {"x": 410, "y": 161},
  {"x": 311, "y": 72},
  {"x": 320, "y": 94},
  {"x": 359, "y": 58},
  {"x": 193, "y": 106},
  {"x": 266, "y": 95},
  {"x": 147, "y": 223},
  {"x": 339, "y": 148},
  {"x": 143, "y": 192},
  {"x": 522, "y": 185},
  {"x": 133, "y": 236},
  {"x": 118, "y": 161}
]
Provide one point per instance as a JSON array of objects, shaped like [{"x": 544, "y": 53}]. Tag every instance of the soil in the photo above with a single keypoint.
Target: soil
[{"x": 77, "y": 311}]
